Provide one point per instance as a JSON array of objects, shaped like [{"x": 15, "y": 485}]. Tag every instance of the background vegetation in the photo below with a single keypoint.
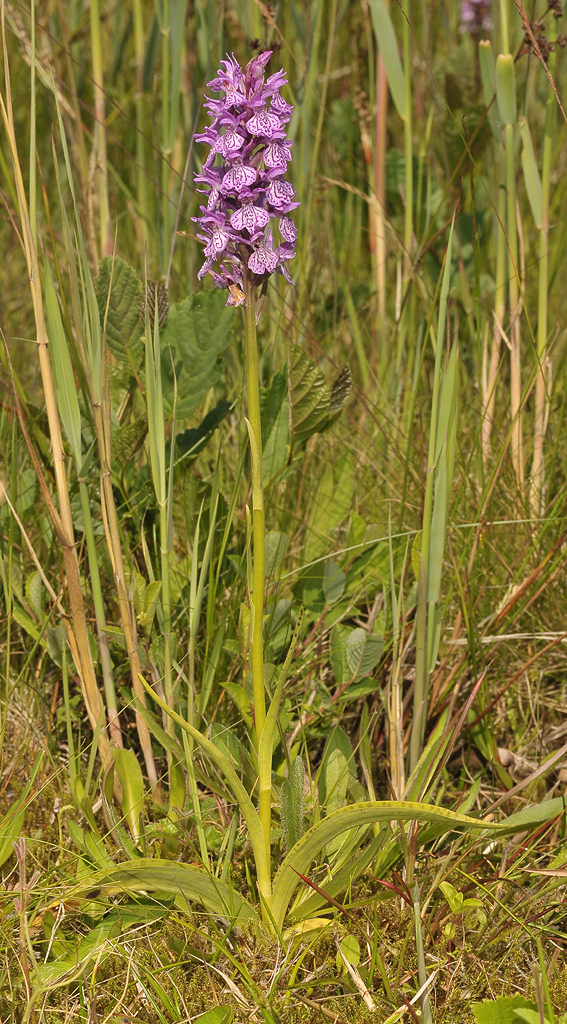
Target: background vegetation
[{"x": 413, "y": 415}]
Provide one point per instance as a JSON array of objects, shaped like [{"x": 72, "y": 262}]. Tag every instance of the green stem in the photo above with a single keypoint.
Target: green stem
[
  {"x": 499, "y": 303},
  {"x": 408, "y": 149},
  {"x": 258, "y": 535},
  {"x": 540, "y": 399},
  {"x": 165, "y": 135},
  {"x": 504, "y": 26},
  {"x": 514, "y": 295},
  {"x": 33, "y": 187}
]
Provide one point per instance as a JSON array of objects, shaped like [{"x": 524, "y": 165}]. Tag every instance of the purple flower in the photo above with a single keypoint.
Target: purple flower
[
  {"x": 243, "y": 178},
  {"x": 475, "y": 16}
]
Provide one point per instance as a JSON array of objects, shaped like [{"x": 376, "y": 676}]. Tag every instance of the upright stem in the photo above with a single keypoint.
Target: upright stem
[
  {"x": 499, "y": 305},
  {"x": 380, "y": 135},
  {"x": 166, "y": 144},
  {"x": 538, "y": 468},
  {"x": 141, "y": 174},
  {"x": 100, "y": 131},
  {"x": 258, "y": 537},
  {"x": 408, "y": 149},
  {"x": 505, "y": 39},
  {"x": 514, "y": 297}
]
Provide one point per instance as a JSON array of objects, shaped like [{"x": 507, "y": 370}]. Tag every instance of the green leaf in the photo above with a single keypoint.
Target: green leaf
[
  {"x": 500, "y": 1011},
  {"x": 331, "y": 505},
  {"x": 350, "y": 948},
  {"x": 275, "y": 410},
  {"x": 191, "y": 442},
  {"x": 363, "y": 652},
  {"x": 128, "y": 438},
  {"x": 453, "y": 896},
  {"x": 531, "y": 174},
  {"x": 347, "y": 818},
  {"x": 139, "y": 588},
  {"x": 276, "y": 545},
  {"x": 310, "y": 397},
  {"x": 124, "y": 327},
  {"x": 26, "y": 622},
  {"x": 487, "y": 74},
  {"x": 292, "y": 804},
  {"x": 55, "y": 641},
  {"x": 538, "y": 814},
  {"x": 218, "y": 1015},
  {"x": 166, "y": 876},
  {"x": 531, "y": 1016},
  {"x": 34, "y": 592},
  {"x": 336, "y": 780},
  {"x": 130, "y": 775},
  {"x": 334, "y": 581},
  {"x": 63, "y": 376},
  {"x": 196, "y": 331},
  {"x": 338, "y": 652},
  {"x": 242, "y": 701},
  {"x": 338, "y": 740},
  {"x": 388, "y": 46},
  {"x": 150, "y": 603}
]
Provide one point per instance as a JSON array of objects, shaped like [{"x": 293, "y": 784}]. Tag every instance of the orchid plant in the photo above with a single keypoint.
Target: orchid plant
[{"x": 244, "y": 180}]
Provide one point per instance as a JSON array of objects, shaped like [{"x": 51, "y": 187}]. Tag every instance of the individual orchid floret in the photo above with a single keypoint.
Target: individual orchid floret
[
  {"x": 243, "y": 178},
  {"x": 475, "y": 16}
]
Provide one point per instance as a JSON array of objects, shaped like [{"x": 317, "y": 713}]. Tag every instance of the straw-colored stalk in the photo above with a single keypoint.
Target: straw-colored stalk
[
  {"x": 490, "y": 380},
  {"x": 77, "y": 632},
  {"x": 380, "y": 136},
  {"x": 101, "y": 165},
  {"x": 141, "y": 174},
  {"x": 408, "y": 151},
  {"x": 506, "y": 96}
]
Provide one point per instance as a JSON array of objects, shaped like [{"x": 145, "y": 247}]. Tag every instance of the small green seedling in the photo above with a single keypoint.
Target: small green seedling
[{"x": 471, "y": 909}]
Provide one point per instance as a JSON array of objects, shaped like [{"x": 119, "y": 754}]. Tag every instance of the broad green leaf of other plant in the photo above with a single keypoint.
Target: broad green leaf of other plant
[
  {"x": 194, "y": 335},
  {"x": 121, "y": 308}
]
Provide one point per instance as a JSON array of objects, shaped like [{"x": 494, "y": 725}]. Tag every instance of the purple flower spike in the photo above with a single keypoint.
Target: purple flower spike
[{"x": 243, "y": 178}]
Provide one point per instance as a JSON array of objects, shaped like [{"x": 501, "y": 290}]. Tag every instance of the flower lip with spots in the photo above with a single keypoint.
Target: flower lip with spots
[{"x": 243, "y": 178}]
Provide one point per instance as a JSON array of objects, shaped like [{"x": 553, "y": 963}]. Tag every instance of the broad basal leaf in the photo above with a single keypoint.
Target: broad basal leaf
[
  {"x": 192, "y": 883},
  {"x": 354, "y": 816}
]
